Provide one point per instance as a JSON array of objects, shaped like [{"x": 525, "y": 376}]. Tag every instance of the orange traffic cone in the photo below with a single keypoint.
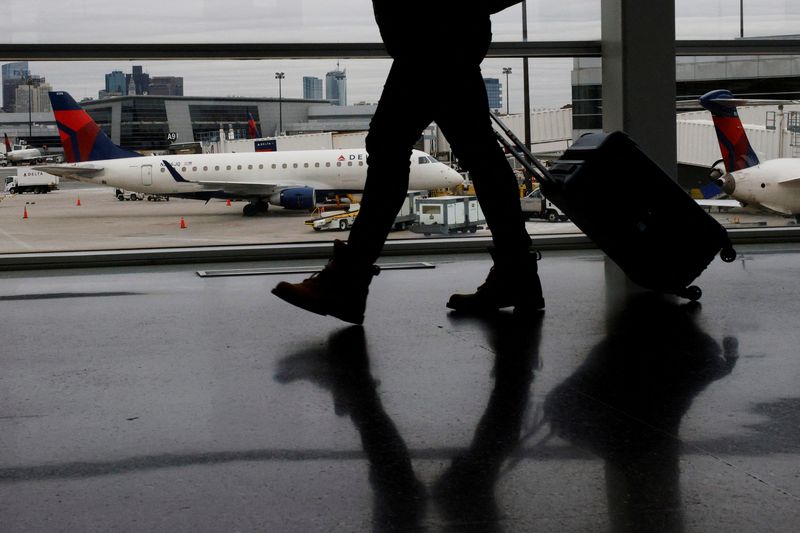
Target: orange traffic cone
[
  {"x": 25, "y": 213},
  {"x": 78, "y": 203},
  {"x": 183, "y": 224},
  {"x": 228, "y": 203}
]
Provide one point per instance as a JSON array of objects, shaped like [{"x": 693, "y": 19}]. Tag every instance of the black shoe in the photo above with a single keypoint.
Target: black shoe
[
  {"x": 339, "y": 290},
  {"x": 513, "y": 281}
]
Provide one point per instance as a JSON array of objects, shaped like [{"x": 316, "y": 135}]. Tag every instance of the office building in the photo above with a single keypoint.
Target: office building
[
  {"x": 116, "y": 83},
  {"x": 32, "y": 97},
  {"x": 494, "y": 89},
  {"x": 13, "y": 75},
  {"x": 312, "y": 88},
  {"x": 166, "y": 86},
  {"x": 336, "y": 87}
]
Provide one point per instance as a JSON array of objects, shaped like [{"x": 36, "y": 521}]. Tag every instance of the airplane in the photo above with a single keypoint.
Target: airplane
[
  {"x": 772, "y": 184},
  {"x": 290, "y": 179},
  {"x": 24, "y": 155}
]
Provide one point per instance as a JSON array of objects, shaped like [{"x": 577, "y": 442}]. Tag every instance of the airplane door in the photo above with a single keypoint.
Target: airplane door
[{"x": 147, "y": 174}]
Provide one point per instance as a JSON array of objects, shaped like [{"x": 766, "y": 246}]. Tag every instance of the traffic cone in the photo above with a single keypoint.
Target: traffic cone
[
  {"x": 228, "y": 203},
  {"x": 25, "y": 213},
  {"x": 78, "y": 203},
  {"x": 183, "y": 224}
]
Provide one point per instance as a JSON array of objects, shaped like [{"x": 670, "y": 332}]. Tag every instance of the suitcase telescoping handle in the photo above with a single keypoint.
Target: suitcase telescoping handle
[{"x": 522, "y": 154}]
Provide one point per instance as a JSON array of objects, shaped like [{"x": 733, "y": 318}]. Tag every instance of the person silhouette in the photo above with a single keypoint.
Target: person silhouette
[{"x": 419, "y": 90}]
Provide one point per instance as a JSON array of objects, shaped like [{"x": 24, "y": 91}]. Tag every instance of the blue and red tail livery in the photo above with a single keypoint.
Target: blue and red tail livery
[
  {"x": 82, "y": 138},
  {"x": 8, "y": 143},
  {"x": 733, "y": 143}
]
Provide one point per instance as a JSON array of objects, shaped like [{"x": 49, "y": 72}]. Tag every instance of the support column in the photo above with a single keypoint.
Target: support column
[
  {"x": 639, "y": 75},
  {"x": 638, "y": 39}
]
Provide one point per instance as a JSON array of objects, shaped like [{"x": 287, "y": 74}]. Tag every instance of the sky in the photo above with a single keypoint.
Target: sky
[{"x": 247, "y": 21}]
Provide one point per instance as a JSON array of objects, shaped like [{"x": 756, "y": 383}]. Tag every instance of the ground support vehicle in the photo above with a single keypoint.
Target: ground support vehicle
[
  {"x": 339, "y": 217},
  {"x": 535, "y": 205},
  {"x": 29, "y": 180},
  {"x": 448, "y": 214}
]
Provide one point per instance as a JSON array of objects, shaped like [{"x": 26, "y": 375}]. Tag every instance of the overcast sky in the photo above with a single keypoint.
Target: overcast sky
[{"x": 97, "y": 21}]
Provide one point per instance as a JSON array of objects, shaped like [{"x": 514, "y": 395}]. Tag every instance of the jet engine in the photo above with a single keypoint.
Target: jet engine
[
  {"x": 298, "y": 198},
  {"x": 727, "y": 183}
]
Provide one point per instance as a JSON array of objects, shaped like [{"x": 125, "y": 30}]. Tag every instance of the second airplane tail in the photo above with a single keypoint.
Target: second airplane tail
[
  {"x": 8, "y": 143},
  {"x": 82, "y": 138},
  {"x": 737, "y": 153}
]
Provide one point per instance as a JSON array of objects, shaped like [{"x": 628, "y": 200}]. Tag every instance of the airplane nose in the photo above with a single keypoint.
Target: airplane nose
[{"x": 727, "y": 183}]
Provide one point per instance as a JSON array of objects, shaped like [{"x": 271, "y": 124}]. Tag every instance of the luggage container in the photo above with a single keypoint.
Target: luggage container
[{"x": 448, "y": 214}]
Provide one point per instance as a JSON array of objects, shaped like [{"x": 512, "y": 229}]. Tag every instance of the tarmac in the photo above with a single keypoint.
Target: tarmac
[{"x": 57, "y": 223}]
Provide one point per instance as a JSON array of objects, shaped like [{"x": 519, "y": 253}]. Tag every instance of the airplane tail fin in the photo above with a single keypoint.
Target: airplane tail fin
[
  {"x": 8, "y": 143},
  {"x": 737, "y": 153},
  {"x": 82, "y": 138}
]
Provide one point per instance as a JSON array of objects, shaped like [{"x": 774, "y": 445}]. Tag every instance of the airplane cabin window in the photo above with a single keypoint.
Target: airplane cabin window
[
  {"x": 249, "y": 167},
  {"x": 274, "y": 166}
]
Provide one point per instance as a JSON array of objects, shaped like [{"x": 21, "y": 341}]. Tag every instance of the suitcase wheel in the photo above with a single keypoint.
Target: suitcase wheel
[
  {"x": 728, "y": 254},
  {"x": 692, "y": 293}
]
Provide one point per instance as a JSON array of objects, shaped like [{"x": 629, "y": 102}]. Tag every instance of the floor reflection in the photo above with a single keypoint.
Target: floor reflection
[
  {"x": 465, "y": 493},
  {"x": 342, "y": 367},
  {"x": 626, "y": 402}
]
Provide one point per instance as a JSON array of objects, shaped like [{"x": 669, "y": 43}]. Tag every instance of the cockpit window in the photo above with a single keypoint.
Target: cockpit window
[
  {"x": 423, "y": 160},
  {"x": 432, "y": 159}
]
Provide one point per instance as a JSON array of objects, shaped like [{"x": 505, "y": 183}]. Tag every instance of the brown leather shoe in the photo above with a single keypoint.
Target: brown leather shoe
[{"x": 339, "y": 290}]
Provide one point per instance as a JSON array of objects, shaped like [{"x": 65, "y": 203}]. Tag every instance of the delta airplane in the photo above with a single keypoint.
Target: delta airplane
[
  {"x": 773, "y": 184},
  {"x": 291, "y": 179},
  {"x": 24, "y": 155}
]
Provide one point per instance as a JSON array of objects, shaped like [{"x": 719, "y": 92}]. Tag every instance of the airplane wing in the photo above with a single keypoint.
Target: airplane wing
[
  {"x": 68, "y": 171},
  {"x": 719, "y": 203}
]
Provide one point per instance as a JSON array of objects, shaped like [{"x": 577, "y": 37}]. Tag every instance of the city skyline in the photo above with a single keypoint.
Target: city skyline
[{"x": 342, "y": 21}]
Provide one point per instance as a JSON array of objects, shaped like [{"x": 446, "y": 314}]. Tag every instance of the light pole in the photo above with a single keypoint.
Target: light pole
[
  {"x": 29, "y": 82},
  {"x": 741, "y": 18},
  {"x": 507, "y": 71},
  {"x": 279, "y": 76}
]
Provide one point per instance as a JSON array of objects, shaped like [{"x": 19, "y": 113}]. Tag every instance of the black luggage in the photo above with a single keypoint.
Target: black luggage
[{"x": 631, "y": 209}]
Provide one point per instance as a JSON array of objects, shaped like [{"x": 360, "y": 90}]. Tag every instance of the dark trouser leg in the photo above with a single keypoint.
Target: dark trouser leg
[
  {"x": 398, "y": 122},
  {"x": 465, "y": 122}
]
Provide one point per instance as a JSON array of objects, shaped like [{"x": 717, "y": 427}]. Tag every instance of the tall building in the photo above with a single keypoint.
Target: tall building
[
  {"x": 494, "y": 89},
  {"x": 14, "y": 74},
  {"x": 336, "y": 87},
  {"x": 116, "y": 83},
  {"x": 312, "y": 88},
  {"x": 34, "y": 91},
  {"x": 140, "y": 81}
]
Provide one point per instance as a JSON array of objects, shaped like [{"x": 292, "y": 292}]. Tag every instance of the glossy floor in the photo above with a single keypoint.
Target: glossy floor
[{"x": 151, "y": 399}]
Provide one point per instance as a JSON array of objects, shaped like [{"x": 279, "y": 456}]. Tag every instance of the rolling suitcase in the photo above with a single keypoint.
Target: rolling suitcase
[{"x": 632, "y": 210}]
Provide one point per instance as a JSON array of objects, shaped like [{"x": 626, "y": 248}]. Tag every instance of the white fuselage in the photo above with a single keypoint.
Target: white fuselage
[
  {"x": 773, "y": 184},
  {"x": 252, "y": 174},
  {"x": 27, "y": 154}
]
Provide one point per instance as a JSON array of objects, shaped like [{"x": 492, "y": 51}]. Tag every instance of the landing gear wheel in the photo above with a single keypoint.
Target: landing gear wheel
[
  {"x": 691, "y": 293},
  {"x": 250, "y": 210},
  {"x": 342, "y": 224},
  {"x": 728, "y": 255}
]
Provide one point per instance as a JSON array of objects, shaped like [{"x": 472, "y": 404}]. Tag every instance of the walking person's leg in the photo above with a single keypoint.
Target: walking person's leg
[
  {"x": 396, "y": 126},
  {"x": 465, "y": 122}
]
